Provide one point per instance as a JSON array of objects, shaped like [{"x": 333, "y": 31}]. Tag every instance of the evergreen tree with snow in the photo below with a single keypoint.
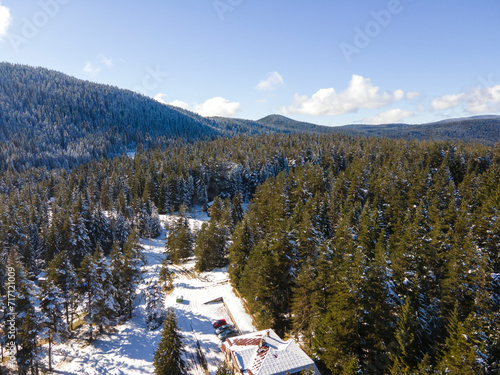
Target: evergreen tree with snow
[
  {"x": 27, "y": 337},
  {"x": 154, "y": 313},
  {"x": 54, "y": 328},
  {"x": 168, "y": 356},
  {"x": 236, "y": 210},
  {"x": 211, "y": 247},
  {"x": 125, "y": 273},
  {"x": 27, "y": 319},
  {"x": 165, "y": 276},
  {"x": 457, "y": 355},
  {"x": 179, "y": 241},
  {"x": 62, "y": 274},
  {"x": 97, "y": 291},
  {"x": 134, "y": 248},
  {"x": 79, "y": 241},
  {"x": 120, "y": 230},
  {"x": 404, "y": 353},
  {"x": 224, "y": 369}
]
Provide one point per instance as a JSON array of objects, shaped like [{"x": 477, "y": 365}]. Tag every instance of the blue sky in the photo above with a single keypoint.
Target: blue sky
[{"x": 329, "y": 62}]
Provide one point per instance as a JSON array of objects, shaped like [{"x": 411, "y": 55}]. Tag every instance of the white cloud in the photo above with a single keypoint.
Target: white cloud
[
  {"x": 5, "y": 20},
  {"x": 218, "y": 106},
  {"x": 482, "y": 100},
  {"x": 159, "y": 98},
  {"x": 413, "y": 95},
  {"x": 91, "y": 69},
  {"x": 361, "y": 94},
  {"x": 447, "y": 101},
  {"x": 476, "y": 101},
  {"x": 273, "y": 81},
  {"x": 389, "y": 117},
  {"x": 180, "y": 104},
  {"x": 108, "y": 63}
]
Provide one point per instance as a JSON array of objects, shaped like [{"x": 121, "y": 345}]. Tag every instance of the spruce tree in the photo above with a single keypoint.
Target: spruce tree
[
  {"x": 154, "y": 313},
  {"x": 179, "y": 240},
  {"x": 55, "y": 329},
  {"x": 97, "y": 291},
  {"x": 62, "y": 274},
  {"x": 224, "y": 369},
  {"x": 165, "y": 276},
  {"x": 168, "y": 356},
  {"x": 403, "y": 353},
  {"x": 125, "y": 274},
  {"x": 457, "y": 355},
  {"x": 27, "y": 319}
]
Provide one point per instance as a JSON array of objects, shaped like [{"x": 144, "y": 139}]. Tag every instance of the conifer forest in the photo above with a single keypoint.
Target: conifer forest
[{"x": 381, "y": 256}]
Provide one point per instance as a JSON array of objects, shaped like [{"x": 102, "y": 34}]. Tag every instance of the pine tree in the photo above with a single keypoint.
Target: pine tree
[
  {"x": 154, "y": 314},
  {"x": 96, "y": 287},
  {"x": 133, "y": 247},
  {"x": 236, "y": 210},
  {"x": 242, "y": 243},
  {"x": 120, "y": 229},
  {"x": 62, "y": 274},
  {"x": 165, "y": 276},
  {"x": 403, "y": 353},
  {"x": 224, "y": 369},
  {"x": 125, "y": 274},
  {"x": 27, "y": 329},
  {"x": 52, "y": 321},
  {"x": 168, "y": 356},
  {"x": 79, "y": 242},
  {"x": 211, "y": 247},
  {"x": 28, "y": 353},
  {"x": 304, "y": 308},
  {"x": 457, "y": 356},
  {"x": 179, "y": 240}
]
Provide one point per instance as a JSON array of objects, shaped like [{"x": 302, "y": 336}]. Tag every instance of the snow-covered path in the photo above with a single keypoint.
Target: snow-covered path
[
  {"x": 195, "y": 316},
  {"x": 130, "y": 348}
]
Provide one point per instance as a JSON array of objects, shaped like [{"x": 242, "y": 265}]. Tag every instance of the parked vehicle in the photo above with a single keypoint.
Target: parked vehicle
[
  {"x": 219, "y": 323},
  {"x": 179, "y": 299},
  {"x": 226, "y": 334},
  {"x": 224, "y": 328}
]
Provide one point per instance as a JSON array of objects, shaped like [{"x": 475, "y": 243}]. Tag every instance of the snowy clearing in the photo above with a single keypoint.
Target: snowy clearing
[{"x": 129, "y": 348}]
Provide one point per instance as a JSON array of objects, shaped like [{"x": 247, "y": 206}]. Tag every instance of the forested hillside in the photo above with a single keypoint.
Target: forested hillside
[
  {"x": 481, "y": 129},
  {"x": 50, "y": 119},
  {"x": 380, "y": 255}
]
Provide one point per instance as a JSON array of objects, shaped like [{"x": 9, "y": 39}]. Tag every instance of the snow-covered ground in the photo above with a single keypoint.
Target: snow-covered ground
[{"x": 129, "y": 348}]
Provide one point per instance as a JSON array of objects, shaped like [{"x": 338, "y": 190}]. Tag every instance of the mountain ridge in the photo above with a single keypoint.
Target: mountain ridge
[{"x": 51, "y": 119}]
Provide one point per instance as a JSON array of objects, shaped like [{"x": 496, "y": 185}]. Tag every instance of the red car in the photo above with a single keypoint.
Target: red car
[{"x": 219, "y": 323}]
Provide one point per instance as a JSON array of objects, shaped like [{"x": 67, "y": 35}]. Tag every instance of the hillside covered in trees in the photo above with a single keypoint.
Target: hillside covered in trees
[
  {"x": 381, "y": 256},
  {"x": 49, "y": 119}
]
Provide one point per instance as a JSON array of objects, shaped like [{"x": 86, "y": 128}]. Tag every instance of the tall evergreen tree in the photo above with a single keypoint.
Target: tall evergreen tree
[
  {"x": 97, "y": 291},
  {"x": 62, "y": 274},
  {"x": 154, "y": 314},
  {"x": 179, "y": 239},
  {"x": 55, "y": 329},
  {"x": 457, "y": 356},
  {"x": 168, "y": 356}
]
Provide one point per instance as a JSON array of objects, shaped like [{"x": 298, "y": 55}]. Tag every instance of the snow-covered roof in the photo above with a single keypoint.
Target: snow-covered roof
[{"x": 265, "y": 353}]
